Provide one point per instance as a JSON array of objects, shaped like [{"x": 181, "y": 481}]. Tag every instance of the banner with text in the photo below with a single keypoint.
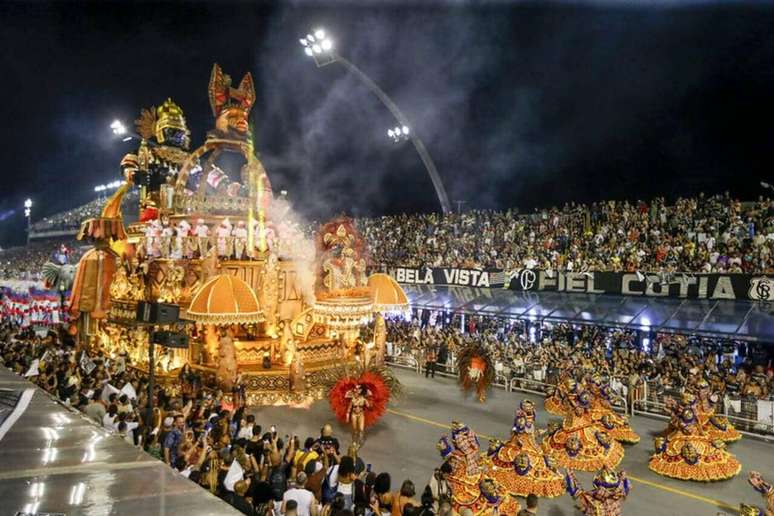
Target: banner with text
[{"x": 680, "y": 285}]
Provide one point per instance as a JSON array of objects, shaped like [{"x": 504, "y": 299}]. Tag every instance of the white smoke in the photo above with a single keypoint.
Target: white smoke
[{"x": 295, "y": 243}]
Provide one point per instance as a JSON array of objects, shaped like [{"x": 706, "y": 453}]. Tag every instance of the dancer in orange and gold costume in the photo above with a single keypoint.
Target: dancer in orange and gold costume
[
  {"x": 765, "y": 489},
  {"x": 602, "y": 412},
  {"x": 580, "y": 443},
  {"x": 607, "y": 497},
  {"x": 554, "y": 404},
  {"x": 521, "y": 466},
  {"x": 687, "y": 452},
  {"x": 716, "y": 427},
  {"x": 471, "y": 487}
]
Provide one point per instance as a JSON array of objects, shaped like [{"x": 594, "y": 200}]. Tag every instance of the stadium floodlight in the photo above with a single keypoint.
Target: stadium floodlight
[
  {"x": 320, "y": 46},
  {"x": 399, "y": 134},
  {"x": 28, "y": 214},
  {"x": 118, "y": 128}
]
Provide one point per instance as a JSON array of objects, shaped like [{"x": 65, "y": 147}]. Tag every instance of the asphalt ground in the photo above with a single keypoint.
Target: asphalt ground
[{"x": 403, "y": 443}]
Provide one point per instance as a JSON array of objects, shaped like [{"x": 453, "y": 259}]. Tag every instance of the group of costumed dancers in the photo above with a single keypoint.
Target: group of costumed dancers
[{"x": 542, "y": 462}]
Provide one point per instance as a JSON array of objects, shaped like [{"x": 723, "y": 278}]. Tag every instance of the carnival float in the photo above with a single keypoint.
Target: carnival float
[{"x": 270, "y": 314}]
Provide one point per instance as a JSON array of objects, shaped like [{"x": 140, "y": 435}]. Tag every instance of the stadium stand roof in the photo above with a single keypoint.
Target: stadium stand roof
[{"x": 743, "y": 320}]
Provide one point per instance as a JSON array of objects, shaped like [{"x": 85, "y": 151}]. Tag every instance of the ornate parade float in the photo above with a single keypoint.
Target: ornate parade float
[{"x": 268, "y": 311}]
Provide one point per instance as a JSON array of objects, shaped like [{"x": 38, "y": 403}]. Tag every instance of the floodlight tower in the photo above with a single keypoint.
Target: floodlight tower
[
  {"x": 320, "y": 47},
  {"x": 28, "y": 214},
  {"x": 119, "y": 129}
]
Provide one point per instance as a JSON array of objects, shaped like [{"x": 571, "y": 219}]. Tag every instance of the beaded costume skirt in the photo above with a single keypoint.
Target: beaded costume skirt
[
  {"x": 693, "y": 457},
  {"x": 583, "y": 445},
  {"x": 522, "y": 468}
]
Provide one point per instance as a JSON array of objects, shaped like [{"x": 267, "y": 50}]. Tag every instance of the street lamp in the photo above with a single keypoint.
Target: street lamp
[
  {"x": 319, "y": 46},
  {"x": 28, "y": 214}
]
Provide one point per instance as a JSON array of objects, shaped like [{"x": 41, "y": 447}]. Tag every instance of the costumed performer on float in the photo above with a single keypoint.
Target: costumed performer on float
[
  {"x": 607, "y": 496},
  {"x": 580, "y": 443},
  {"x": 470, "y": 487},
  {"x": 687, "y": 452},
  {"x": 521, "y": 466}
]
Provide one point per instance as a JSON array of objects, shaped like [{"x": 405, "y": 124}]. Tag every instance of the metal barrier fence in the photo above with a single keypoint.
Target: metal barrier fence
[
  {"x": 754, "y": 417},
  {"x": 521, "y": 383}
]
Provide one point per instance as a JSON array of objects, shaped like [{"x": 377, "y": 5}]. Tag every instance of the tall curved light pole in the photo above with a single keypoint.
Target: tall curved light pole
[{"x": 320, "y": 47}]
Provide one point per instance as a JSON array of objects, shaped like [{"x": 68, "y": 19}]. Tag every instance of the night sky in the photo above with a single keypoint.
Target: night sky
[{"x": 524, "y": 104}]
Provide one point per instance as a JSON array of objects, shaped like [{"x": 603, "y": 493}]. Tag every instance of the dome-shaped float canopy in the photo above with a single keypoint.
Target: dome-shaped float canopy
[
  {"x": 386, "y": 294},
  {"x": 223, "y": 300}
]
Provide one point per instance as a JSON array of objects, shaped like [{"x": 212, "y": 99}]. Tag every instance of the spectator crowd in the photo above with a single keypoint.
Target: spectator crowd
[
  {"x": 26, "y": 262},
  {"x": 257, "y": 468},
  {"x": 700, "y": 234},
  {"x": 639, "y": 369}
]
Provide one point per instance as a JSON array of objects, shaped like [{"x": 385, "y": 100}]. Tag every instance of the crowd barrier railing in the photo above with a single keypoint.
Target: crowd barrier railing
[
  {"x": 755, "y": 417},
  {"x": 508, "y": 383}
]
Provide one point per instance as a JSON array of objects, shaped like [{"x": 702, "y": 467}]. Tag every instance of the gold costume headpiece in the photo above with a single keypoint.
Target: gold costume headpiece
[{"x": 170, "y": 116}]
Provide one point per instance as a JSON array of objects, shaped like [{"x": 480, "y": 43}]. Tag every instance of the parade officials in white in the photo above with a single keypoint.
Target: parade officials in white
[
  {"x": 240, "y": 239},
  {"x": 202, "y": 234},
  {"x": 223, "y": 232}
]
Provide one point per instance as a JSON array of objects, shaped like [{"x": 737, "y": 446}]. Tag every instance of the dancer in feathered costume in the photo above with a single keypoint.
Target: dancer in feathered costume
[
  {"x": 567, "y": 386},
  {"x": 476, "y": 370},
  {"x": 521, "y": 466},
  {"x": 580, "y": 443},
  {"x": 716, "y": 427},
  {"x": 766, "y": 490},
  {"x": 602, "y": 412},
  {"x": 359, "y": 398},
  {"x": 470, "y": 487},
  {"x": 687, "y": 452},
  {"x": 606, "y": 498}
]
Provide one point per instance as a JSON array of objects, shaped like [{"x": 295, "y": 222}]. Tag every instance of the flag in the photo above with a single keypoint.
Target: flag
[
  {"x": 129, "y": 391},
  {"x": 33, "y": 370},
  {"x": 86, "y": 363},
  {"x": 234, "y": 475},
  {"x": 107, "y": 391}
]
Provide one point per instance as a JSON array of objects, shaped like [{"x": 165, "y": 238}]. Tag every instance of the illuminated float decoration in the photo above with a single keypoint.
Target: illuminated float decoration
[{"x": 211, "y": 238}]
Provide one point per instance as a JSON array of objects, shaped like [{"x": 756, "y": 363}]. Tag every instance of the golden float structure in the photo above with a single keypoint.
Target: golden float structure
[{"x": 270, "y": 312}]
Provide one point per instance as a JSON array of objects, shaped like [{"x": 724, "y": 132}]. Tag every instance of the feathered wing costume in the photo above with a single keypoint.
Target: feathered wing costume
[
  {"x": 377, "y": 385},
  {"x": 476, "y": 370}
]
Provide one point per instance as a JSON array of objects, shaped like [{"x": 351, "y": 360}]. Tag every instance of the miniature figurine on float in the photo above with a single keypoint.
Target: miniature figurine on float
[
  {"x": 605, "y": 498},
  {"x": 687, "y": 452},
  {"x": 271, "y": 318},
  {"x": 471, "y": 487}
]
